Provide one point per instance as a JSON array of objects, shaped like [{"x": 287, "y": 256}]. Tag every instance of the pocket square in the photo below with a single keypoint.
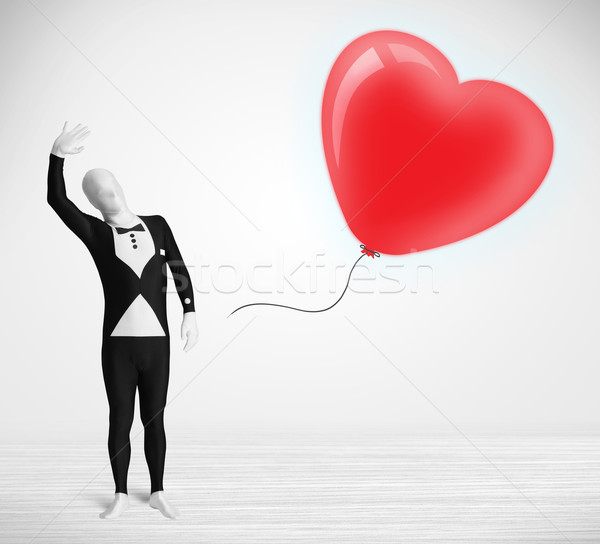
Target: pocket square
[{"x": 162, "y": 252}]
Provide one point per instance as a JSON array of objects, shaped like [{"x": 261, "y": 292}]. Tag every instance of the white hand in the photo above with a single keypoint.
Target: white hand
[
  {"x": 68, "y": 142},
  {"x": 189, "y": 331}
]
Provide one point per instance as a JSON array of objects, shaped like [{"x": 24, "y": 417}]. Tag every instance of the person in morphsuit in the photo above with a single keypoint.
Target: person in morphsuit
[{"x": 131, "y": 253}]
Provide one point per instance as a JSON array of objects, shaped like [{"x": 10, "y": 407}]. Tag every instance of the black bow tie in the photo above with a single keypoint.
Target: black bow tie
[{"x": 122, "y": 230}]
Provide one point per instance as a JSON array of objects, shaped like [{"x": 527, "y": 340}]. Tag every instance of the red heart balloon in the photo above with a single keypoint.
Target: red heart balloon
[{"x": 418, "y": 160}]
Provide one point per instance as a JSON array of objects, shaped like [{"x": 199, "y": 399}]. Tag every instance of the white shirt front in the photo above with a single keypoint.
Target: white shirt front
[{"x": 134, "y": 248}]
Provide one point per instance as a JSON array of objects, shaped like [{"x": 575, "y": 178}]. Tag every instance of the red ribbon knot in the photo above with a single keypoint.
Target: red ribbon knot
[{"x": 369, "y": 252}]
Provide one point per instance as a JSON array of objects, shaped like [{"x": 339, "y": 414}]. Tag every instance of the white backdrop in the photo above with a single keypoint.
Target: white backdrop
[{"x": 495, "y": 334}]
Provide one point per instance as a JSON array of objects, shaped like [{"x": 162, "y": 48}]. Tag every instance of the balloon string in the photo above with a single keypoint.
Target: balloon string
[{"x": 364, "y": 252}]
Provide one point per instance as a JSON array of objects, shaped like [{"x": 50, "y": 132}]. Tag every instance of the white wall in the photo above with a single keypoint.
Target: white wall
[{"x": 507, "y": 344}]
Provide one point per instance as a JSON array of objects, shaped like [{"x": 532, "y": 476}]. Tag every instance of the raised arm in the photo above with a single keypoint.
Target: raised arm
[{"x": 67, "y": 142}]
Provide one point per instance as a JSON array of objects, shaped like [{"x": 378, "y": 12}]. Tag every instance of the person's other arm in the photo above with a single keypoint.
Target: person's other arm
[
  {"x": 68, "y": 142},
  {"x": 185, "y": 290}
]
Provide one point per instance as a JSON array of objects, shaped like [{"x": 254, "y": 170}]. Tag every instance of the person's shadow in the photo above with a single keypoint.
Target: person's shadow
[
  {"x": 103, "y": 500},
  {"x": 139, "y": 496}
]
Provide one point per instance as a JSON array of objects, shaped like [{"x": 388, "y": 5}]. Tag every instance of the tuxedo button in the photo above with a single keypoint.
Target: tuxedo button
[
  {"x": 133, "y": 241},
  {"x": 187, "y": 301},
  {"x": 131, "y": 234},
  {"x": 134, "y": 246}
]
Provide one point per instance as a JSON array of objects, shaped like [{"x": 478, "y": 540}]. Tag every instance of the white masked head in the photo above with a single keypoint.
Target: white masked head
[{"x": 103, "y": 191}]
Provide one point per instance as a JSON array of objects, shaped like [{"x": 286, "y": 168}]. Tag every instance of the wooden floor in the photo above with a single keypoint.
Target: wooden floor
[{"x": 313, "y": 489}]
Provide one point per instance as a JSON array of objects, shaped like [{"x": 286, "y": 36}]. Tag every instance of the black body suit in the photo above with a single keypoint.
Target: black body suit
[{"x": 135, "y": 337}]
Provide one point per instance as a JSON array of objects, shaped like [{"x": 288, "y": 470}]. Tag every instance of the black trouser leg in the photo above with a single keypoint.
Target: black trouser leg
[
  {"x": 153, "y": 385},
  {"x": 120, "y": 380}
]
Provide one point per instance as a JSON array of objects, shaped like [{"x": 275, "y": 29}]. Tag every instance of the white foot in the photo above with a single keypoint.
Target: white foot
[
  {"x": 117, "y": 507},
  {"x": 160, "y": 502}
]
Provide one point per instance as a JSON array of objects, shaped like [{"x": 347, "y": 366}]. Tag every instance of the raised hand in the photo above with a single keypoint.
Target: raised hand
[{"x": 68, "y": 142}]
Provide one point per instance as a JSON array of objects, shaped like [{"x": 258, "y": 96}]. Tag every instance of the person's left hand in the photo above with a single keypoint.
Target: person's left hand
[
  {"x": 189, "y": 331},
  {"x": 68, "y": 142}
]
